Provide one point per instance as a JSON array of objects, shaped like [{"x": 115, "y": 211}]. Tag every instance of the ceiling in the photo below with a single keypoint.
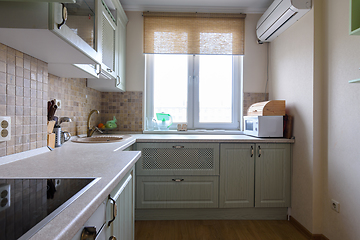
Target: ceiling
[{"x": 235, "y": 6}]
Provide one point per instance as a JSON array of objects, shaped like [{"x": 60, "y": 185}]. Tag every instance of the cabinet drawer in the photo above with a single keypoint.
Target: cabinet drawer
[
  {"x": 177, "y": 192},
  {"x": 178, "y": 159}
]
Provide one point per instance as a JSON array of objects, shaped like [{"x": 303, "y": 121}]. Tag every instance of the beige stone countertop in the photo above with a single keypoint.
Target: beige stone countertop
[
  {"x": 167, "y": 137},
  {"x": 106, "y": 161},
  {"x": 76, "y": 160}
]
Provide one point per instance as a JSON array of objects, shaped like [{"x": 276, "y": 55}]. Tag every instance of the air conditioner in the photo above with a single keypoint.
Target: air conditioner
[{"x": 279, "y": 16}]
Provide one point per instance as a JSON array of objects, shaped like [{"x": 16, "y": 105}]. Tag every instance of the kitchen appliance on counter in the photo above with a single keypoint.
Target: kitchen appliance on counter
[
  {"x": 265, "y": 119},
  {"x": 263, "y": 126},
  {"x": 34, "y": 202}
]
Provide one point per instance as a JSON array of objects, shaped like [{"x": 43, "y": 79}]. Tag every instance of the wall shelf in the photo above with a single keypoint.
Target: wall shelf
[
  {"x": 354, "y": 17},
  {"x": 355, "y": 81}
]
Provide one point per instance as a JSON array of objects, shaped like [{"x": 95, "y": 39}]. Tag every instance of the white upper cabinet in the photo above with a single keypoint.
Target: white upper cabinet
[
  {"x": 78, "y": 39},
  {"x": 116, "y": 54},
  {"x": 63, "y": 1},
  {"x": 121, "y": 50}
]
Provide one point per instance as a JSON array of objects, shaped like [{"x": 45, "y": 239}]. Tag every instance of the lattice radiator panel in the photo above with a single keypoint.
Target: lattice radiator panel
[{"x": 177, "y": 159}]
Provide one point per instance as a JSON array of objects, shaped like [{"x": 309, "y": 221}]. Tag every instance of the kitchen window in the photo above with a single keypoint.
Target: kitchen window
[
  {"x": 194, "y": 68},
  {"x": 202, "y": 91}
]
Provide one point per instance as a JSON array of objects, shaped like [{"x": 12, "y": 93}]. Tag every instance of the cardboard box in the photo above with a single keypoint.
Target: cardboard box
[{"x": 51, "y": 140}]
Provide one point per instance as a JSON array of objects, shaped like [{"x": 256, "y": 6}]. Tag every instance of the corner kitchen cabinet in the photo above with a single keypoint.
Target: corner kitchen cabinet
[
  {"x": 177, "y": 175},
  {"x": 115, "y": 216},
  {"x": 260, "y": 170}
]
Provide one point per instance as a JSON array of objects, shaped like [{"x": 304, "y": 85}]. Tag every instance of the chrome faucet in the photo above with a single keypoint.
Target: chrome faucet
[{"x": 90, "y": 131}]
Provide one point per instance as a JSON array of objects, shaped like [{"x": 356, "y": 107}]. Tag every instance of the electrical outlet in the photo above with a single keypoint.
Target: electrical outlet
[
  {"x": 57, "y": 182},
  {"x": 57, "y": 103},
  {"x": 5, "y": 128},
  {"x": 335, "y": 205},
  {"x": 4, "y": 196}
]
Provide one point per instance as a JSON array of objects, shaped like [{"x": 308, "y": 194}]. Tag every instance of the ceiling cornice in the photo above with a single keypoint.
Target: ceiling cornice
[{"x": 193, "y": 9}]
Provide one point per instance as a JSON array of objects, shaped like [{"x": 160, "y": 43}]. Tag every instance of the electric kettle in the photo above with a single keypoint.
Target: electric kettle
[{"x": 164, "y": 121}]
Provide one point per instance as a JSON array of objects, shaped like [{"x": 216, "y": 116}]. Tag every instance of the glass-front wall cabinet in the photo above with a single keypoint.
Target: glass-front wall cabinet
[{"x": 81, "y": 19}]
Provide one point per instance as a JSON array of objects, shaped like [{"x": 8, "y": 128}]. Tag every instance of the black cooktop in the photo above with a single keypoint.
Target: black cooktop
[{"x": 26, "y": 205}]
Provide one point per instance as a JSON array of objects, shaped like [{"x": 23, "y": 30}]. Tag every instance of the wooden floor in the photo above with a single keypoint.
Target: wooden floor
[{"x": 216, "y": 229}]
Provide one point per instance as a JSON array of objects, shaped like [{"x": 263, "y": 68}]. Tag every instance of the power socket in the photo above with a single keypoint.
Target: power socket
[
  {"x": 57, "y": 183},
  {"x": 57, "y": 103},
  {"x": 5, "y": 128},
  {"x": 4, "y": 196},
  {"x": 335, "y": 205}
]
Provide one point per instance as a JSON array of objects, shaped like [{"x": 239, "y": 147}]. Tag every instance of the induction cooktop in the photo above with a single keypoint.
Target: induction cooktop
[{"x": 27, "y": 205}]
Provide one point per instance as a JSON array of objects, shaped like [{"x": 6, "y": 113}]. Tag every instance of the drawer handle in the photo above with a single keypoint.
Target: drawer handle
[
  {"x": 178, "y": 180},
  {"x": 177, "y": 147},
  {"x": 114, "y": 210},
  {"x": 259, "y": 148}
]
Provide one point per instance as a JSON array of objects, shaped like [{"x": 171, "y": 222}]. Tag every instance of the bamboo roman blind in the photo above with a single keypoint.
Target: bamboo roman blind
[{"x": 194, "y": 33}]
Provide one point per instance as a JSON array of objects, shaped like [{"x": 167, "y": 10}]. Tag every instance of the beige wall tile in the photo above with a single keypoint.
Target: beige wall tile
[{"x": 26, "y": 87}]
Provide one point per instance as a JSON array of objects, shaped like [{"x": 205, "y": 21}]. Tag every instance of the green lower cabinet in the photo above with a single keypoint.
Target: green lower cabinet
[
  {"x": 177, "y": 192},
  {"x": 169, "y": 159},
  {"x": 272, "y": 175},
  {"x": 213, "y": 181},
  {"x": 122, "y": 226},
  {"x": 236, "y": 175}
]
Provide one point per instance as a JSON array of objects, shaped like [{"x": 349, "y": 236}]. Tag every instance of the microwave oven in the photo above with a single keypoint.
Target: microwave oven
[{"x": 263, "y": 126}]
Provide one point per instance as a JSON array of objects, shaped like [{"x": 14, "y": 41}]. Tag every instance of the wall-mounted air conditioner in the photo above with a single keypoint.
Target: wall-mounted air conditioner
[{"x": 279, "y": 16}]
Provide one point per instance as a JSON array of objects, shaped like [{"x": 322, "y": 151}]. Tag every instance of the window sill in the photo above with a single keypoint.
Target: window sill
[{"x": 199, "y": 131}]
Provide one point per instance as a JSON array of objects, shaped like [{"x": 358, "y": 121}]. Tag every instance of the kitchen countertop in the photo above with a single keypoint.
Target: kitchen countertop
[
  {"x": 76, "y": 160},
  {"x": 208, "y": 138},
  {"x": 90, "y": 160}
]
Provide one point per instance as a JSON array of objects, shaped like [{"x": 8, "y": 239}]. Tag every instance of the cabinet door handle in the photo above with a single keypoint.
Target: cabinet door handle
[
  {"x": 251, "y": 151},
  {"x": 64, "y": 15},
  {"x": 259, "y": 151},
  {"x": 114, "y": 210},
  {"x": 178, "y": 180},
  {"x": 88, "y": 233},
  {"x": 177, "y": 147}
]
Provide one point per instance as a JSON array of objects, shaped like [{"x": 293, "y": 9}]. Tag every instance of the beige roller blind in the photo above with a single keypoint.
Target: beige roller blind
[{"x": 194, "y": 33}]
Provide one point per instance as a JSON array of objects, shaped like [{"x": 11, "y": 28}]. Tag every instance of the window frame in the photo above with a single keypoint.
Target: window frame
[{"x": 193, "y": 94}]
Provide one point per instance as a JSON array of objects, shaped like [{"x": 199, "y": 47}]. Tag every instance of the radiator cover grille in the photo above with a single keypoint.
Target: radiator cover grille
[{"x": 177, "y": 159}]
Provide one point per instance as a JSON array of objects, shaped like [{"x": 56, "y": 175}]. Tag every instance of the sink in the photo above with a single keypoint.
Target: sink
[{"x": 101, "y": 139}]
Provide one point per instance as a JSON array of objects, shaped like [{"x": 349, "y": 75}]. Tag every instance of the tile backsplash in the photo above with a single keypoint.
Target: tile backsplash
[
  {"x": 23, "y": 97},
  {"x": 77, "y": 101},
  {"x": 26, "y": 87},
  {"x": 251, "y": 98},
  {"x": 128, "y": 115}
]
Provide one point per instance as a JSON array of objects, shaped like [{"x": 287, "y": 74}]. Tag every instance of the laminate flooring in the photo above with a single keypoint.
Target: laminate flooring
[{"x": 217, "y": 230}]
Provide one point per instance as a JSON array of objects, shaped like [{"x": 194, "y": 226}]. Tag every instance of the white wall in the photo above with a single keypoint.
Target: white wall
[
  {"x": 291, "y": 64},
  {"x": 135, "y": 60},
  {"x": 254, "y": 59},
  {"x": 342, "y": 177},
  {"x": 311, "y": 64}
]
